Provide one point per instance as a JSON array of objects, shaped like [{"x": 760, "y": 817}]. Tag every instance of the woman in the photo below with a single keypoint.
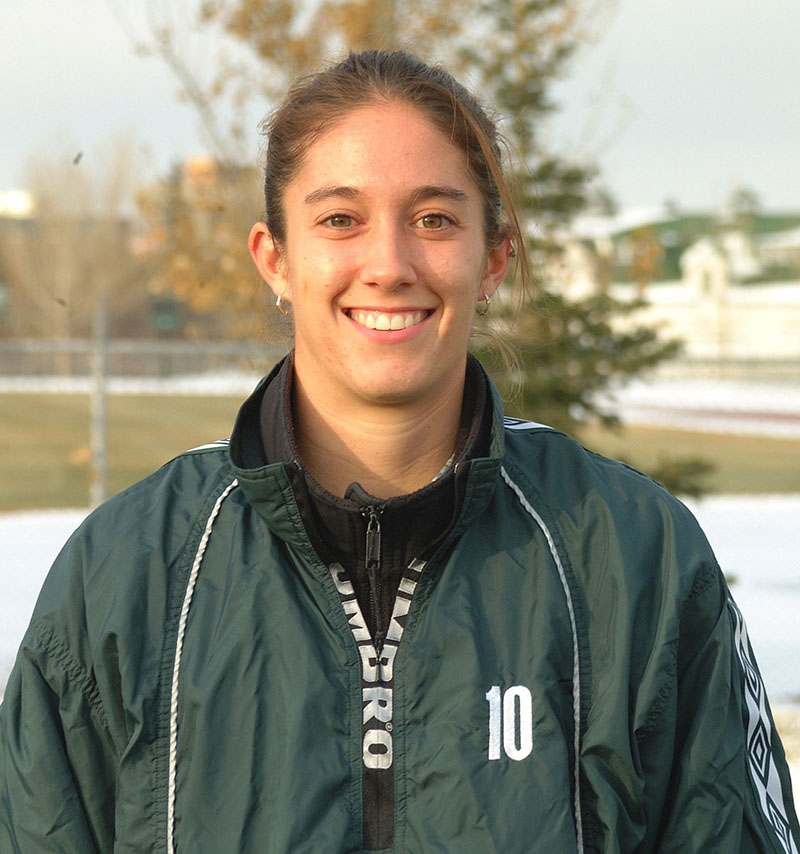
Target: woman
[{"x": 380, "y": 619}]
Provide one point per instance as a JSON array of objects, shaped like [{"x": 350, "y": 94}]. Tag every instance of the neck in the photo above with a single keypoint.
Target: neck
[{"x": 390, "y": 450}]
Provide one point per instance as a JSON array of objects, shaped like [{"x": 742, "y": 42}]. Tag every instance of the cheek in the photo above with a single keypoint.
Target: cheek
[
  {"x": 319, "y": 268},
  {"x": 314, "y": 290},
  {"x": 465, "y": 277}
]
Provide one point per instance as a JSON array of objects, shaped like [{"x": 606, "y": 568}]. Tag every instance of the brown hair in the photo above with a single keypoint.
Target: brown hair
[{"x": 316, "y": 102}]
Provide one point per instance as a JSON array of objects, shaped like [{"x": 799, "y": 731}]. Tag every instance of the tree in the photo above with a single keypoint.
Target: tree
[
  {"x": 77, "y": 244},
  {"x": 197, "y": 219},
  {"x": 510, "y": 51},
  {"x": 742, "y": 209},
  {"x": 647, "y": 253}
]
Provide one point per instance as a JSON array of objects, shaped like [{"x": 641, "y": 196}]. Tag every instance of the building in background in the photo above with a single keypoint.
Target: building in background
[{"x": 728, "y": 286}]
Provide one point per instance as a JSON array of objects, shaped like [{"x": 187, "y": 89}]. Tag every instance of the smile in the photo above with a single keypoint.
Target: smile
[{"x": 393, "y": 321}]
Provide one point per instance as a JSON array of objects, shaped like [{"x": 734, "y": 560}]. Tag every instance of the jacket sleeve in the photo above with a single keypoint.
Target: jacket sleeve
[
  {"x": 56, "y": 755},
  {"x": 730, "y": 788}
]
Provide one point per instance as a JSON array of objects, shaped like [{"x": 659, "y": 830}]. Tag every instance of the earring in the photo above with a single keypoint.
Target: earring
[
  {"x": 483, "y": 305},
  {"x": 282, "y": 307},
  {"x": 512, "y": 252}
]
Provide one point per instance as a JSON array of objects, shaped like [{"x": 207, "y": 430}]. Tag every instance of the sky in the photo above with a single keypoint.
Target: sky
[{"x": 681, "y": 100}]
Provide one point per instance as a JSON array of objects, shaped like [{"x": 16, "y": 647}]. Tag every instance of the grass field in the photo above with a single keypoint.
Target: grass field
[
  {"x": 44, "y": 455},
  {"x": 742, "y": 464}
]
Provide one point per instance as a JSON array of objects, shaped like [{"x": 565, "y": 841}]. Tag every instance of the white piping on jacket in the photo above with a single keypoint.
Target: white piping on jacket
[
  {"x": 219, "y": 443},
  {"x": 176, "y": 668},
  {"x": 576, "y": 674}
]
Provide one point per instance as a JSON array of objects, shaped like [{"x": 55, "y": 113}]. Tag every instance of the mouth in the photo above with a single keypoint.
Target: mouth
[{"x": 392, "y": 321}]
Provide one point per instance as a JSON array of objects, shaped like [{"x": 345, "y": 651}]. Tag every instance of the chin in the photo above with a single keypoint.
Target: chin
[
  {"x": 406, "y": 382},
  {"x": 390, "y": 395},
  {"x": 397, "y": 388}
]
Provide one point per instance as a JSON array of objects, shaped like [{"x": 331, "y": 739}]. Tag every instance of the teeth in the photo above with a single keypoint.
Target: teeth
[{"x": 386, "y": 322}]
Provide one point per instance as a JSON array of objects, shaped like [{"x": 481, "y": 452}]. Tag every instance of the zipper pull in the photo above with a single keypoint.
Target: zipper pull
[
  {"x": 372, "y": 561},
  {"x": 373, "y": 548}
]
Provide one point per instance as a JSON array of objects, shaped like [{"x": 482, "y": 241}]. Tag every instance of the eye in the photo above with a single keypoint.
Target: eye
[
  {"x": 339, "y": 221},
  {"x": 433, "y": 222}
]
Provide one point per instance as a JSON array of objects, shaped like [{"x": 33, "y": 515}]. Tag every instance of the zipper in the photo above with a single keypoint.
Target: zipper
[
  {"x": 377, "y": 679},
  {"x": 372, "y": 558}
]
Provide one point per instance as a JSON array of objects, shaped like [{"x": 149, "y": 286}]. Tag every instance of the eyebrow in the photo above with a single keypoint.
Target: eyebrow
[
  {"x": 420, "y": 194},
  {"x": 331, "y": 192},
  {"x": 436, "y": 192}
]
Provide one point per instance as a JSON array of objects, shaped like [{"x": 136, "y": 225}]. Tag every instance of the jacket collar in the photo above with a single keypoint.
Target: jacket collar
[{"x": 268, "y": 485}]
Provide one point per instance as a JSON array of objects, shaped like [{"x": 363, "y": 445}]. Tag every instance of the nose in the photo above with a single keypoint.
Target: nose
[{"x": 388, "y": 260}]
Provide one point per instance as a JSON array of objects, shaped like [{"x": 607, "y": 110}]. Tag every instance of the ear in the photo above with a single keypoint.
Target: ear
[
  {"x": 268, "y": 259},
  {"x": 497, "y": 266}
]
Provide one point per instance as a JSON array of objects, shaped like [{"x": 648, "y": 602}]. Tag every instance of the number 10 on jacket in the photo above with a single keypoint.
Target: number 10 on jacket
[{"x": 510, "y": 722}]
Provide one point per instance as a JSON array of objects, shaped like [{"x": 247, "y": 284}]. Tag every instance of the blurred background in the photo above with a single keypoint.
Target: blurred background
[{"x": 653, "y": 150}]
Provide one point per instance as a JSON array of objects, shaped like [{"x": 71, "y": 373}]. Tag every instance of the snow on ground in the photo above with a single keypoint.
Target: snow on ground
[
  {"x": 29, "y": 542},
  {"x": 233, "y": 383},
  {"x": 757, "y": 542},
  {"x": 770, "y": 408}
]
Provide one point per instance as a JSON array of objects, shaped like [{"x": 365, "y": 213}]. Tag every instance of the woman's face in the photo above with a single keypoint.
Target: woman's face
[{"x": 384, "y": 260}]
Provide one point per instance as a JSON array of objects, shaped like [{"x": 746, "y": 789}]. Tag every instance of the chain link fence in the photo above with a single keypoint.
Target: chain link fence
[{"x": 70, "y": 365}]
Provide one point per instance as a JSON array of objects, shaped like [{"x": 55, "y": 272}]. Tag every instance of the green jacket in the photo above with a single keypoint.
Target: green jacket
[{"x": 572, "y": 676}]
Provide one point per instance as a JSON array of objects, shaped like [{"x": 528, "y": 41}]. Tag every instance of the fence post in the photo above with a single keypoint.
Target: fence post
[{"x": 98, "y": 419}]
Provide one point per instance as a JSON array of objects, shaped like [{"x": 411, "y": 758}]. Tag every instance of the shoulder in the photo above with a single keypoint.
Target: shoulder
[
  {"x": 123, "y": 557},
  {"x": 162, "y": 507},
  {"x": 566, "y": 474},
  {"x": 107, "y": 607},
  {"x": 601, "y": 508},
  {"x": 180, "y": 486}
]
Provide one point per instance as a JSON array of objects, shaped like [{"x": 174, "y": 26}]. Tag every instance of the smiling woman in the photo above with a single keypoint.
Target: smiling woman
[
  {"x": 384, "y": 259},
  {"x": 382, "y": 617}
]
